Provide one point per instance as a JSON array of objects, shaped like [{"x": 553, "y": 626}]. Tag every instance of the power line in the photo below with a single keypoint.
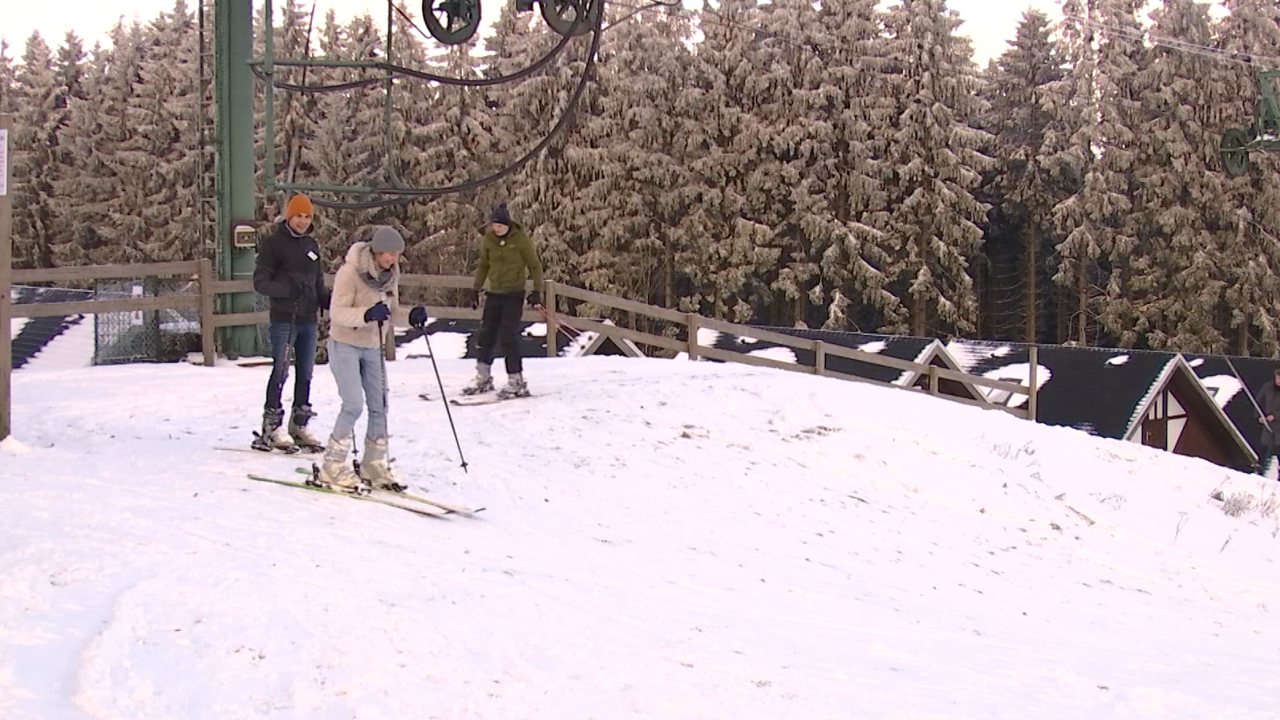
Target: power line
[{"x": 1250, "y": 60}]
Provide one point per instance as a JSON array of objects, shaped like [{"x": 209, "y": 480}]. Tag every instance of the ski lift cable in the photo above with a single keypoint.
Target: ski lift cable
[
  {"x": 445, "y": 79},
  {"x": 400, "y": 195},
  {"x": 1243, "y": 58}
]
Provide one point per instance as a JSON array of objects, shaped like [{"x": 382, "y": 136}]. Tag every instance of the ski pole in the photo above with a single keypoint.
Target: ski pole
[{"x": 444, "y": 399}]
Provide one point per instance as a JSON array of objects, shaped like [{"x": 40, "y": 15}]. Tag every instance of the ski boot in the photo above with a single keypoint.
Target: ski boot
[
  {"x": 515, "y": 388},
  {"x": 483, "y": 382},
  {"x": 298, "y": 431},
  {"x": 273, "y": 436},
  {"x": 376, "y": 470},
  {"x": 334, "y": 472}
]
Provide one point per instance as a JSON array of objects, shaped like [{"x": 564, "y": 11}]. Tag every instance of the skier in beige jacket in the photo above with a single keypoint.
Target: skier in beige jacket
[{"x": 365, "y": 305}]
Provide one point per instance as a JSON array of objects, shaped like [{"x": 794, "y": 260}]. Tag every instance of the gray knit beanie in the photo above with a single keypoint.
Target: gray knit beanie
[{"x": 386, "y": 239}]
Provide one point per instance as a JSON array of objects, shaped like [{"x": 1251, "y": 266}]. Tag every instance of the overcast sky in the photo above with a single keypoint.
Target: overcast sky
[{"x": 988, "y": 22}]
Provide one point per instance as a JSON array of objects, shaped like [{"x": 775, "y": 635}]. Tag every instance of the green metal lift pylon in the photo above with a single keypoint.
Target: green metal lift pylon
[{"x": 233, "y": 175}]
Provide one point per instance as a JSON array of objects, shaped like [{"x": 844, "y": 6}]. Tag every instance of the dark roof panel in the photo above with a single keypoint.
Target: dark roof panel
[{"x": 1093, "y": 389}]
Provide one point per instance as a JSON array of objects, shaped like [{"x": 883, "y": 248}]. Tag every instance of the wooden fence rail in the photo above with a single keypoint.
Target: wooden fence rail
[
  {"x": 200, "y": 272},
  {"x": 691, "y": 322}
]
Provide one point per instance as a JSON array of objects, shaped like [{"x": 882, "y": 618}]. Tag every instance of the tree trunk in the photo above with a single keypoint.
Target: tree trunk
[
  {"x": 919, "y": 317},
  {"x": 1033, "y": 241},
  {"x": 668, "y": 272},
  {"x": 1082, "y": 305}
]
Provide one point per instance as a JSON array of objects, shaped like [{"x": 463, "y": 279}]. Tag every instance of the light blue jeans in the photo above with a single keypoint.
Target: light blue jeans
[{"x": 358, "y": 372}]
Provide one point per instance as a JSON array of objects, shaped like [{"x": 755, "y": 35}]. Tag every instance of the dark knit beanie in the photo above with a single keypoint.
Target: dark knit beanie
[{"x": 500, "y": 214}]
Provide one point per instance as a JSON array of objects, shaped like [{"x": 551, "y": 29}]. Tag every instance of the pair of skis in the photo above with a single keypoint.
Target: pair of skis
[
  {"x": 419, "y": 504},
  {"x": 469, "y": 400}
]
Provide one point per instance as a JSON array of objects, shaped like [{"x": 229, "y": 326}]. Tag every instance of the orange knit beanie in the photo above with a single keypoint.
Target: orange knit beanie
[{"x": 298, "y": 205}]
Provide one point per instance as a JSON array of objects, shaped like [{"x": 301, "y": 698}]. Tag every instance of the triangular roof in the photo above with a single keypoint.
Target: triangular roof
[
  {"x": 1233, "y": 382},
  {"x": 1103, "y": 391},
  {"x": 622, "y": 345},
  {"x": 935, "y": 353}
]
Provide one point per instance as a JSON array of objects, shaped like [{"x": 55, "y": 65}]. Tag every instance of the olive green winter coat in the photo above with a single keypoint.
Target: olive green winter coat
[{"x": 508, "y": 261}]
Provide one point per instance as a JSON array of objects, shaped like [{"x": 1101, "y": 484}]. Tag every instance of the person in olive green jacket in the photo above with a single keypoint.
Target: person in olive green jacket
[{"x": 507, "y": 260}]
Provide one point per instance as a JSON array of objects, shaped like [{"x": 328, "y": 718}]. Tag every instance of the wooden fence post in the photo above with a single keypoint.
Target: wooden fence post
[
  {"x": 933, "y": 380},
  {"x": 1034, "y": 359},
  {"x": 691, "y": 320},
  {"x": 820, "y": 357},
  {"x": 6, "y": 267},
  {"x": 206, "y": 312},
  {"x": 553, "y": 327}
]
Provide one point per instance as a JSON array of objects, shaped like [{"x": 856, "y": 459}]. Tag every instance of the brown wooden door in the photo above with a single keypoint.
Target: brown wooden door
[{"x": 1155, "y": 433}]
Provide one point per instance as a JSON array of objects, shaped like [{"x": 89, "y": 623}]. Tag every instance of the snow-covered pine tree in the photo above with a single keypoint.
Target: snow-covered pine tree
[
  {"x": 445, "y": 139},
  {"x": 729, "y": 250},
  {"x": 162, "y": 148},
  {"x": 1072, "y": 141},
  {"x": 73, "y": 74},
  {"x": 936, "y": 163},
  {"x": 452, "y": 143},
  {"x": 324, "y": 153},
  {"x": 348, "y": 148},
  {"x": 642, "y": 189},
  {"x": 781, "y": 192},
  {"x": 544, "y": 196},
  {"x": 294, "y": 111},
  {"x": 34, "y": 149},
  {"x": 849, "y": 98},
  {"x": 1251, "y": 29},
  {"x": 1172, "y": 286},
  {"x": 90, "y": 191},
  {"x": 1122, "y": 57},
  {"x": 7, "y": 81},
  {"x": 1017, "y": 86}
]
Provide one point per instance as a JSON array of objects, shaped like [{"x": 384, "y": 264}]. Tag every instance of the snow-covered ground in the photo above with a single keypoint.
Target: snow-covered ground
[{"x": 662, "y": 539}]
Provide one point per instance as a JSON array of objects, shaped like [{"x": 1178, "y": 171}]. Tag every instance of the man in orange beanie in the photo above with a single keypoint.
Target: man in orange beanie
[{"x": 289, "y": 272}]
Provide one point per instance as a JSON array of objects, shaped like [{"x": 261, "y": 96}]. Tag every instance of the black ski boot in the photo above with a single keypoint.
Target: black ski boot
[{"x": 273, "y": 437}]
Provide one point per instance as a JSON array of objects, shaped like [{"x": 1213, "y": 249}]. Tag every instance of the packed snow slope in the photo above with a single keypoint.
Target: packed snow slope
[{"x": 662, "y": 539}]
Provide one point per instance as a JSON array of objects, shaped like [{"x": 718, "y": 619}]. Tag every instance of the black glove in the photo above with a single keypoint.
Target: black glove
[
  {"x": 299, "y": 290},
  {"x": 378, "y": 313},
  {"x": 418, "y": 317},
  {"x": 474, "y": 300},
  {"x": 535, "y": 298}
]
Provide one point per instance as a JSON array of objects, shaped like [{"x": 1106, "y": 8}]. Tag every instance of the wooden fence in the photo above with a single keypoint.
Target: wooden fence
[
  {"x": 201, "y": 273},
  {"x": 691, "y": 322}
]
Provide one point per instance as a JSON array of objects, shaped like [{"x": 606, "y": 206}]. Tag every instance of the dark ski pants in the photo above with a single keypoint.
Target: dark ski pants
[
  {"x": 302, "y": 337},
  {"x": 501, "y": 324}
]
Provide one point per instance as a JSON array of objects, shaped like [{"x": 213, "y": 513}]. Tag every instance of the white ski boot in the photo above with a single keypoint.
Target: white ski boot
[
  {"x": 298, "y": 431},
  {"x": 483, "y": 381},
  {"x": 334, "y": 471},
  {"x": 515, "y": 388},
  {"x": 375, "y": 468}
]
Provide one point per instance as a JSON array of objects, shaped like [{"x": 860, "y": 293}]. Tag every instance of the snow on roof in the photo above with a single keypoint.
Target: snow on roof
[
  {"x": 779, "y": 353},
  {"x": 1222, "y": 387}
]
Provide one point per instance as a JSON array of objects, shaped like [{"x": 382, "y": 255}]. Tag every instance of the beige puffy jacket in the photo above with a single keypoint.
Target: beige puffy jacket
[{"x": 352, "y": 296}]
